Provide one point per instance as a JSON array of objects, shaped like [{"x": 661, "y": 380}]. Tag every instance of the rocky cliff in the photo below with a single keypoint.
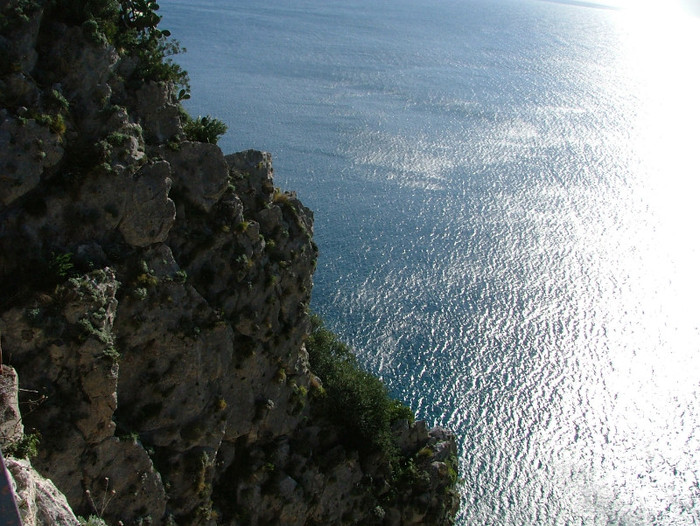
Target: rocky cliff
[{"x": 154, "y": 303}]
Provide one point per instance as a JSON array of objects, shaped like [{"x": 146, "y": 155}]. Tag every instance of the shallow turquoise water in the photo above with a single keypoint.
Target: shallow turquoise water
[{"x": 505, "y": 207}]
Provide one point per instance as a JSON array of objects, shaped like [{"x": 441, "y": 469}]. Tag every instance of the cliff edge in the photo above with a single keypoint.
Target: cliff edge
[{"x": 154, "y": 301}]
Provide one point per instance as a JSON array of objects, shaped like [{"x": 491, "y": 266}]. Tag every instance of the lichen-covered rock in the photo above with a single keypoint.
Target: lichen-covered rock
[
  {"x": 11, "y": 428},
  {"x": 159, "y": 112},
  {"x": 199, "y": 171},
  {"x": 40, "y": 503},
  {"x": 28, "y": 150},
  {"x": 149, "y": 213}
]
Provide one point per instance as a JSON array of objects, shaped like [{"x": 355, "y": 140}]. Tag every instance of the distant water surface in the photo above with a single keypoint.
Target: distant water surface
[{"x": 506, "y": 206}]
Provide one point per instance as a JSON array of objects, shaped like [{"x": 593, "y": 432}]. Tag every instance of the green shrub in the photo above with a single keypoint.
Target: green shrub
[
  {"x": 152, "y": 46},
  {"x": 58, "y": 100},
  {"x": 55, "y": 122},
  {"x": 354, "y": 399},
  {"x": 204, "y": 129},
  {"x": 25, "y": 447},
  {"x": 153, "y": 51},
  {"x": 19, "y": 13},
  {"x": 132, "y": 27},
  {"x": 61, "y": 265}
]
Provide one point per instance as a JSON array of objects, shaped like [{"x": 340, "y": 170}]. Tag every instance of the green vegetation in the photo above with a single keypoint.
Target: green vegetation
[
  {"x": 118, "y": 138},
  {"x": 54, "y": 121},
  {"x": 25, "y": 447},
  {"x": 18, "y": 14},
  {"x": 57, "y": 100},
  {"x": 61, "y": 266},
  {"x": 130, "y": 26},
  {"x": 204, "y": 129},
  {"x": 79, "y": 11},
  {"x": 281, "y": 197},
  {"x": 354, "y": 399}
]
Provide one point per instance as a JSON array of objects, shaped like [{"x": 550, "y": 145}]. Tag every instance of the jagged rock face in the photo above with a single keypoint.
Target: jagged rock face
[
  {"x": 11, "y": 428},
  {"x": 153, "y": 299},
  {"x": 29, "y": 150},
  {"x": 149, "y": 213},
  {"x": 64, "y": 348},
  {"x": 39, "y": 502}
]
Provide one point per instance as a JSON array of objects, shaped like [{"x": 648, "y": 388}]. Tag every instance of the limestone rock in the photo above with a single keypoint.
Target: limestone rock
[
  {"x": 28, "y": 150},
  {"x": 159, "y": 112},
  {"x": 122, "y": 475},
  {"x": 251, "y": 172},
  {"x": 21, "y": 46},
  {"x": 81, "y": 66},
  {"x": 199, "y": 170},
  {"x": 40, "y": 503},
  {"x": 64, "y": 350},
  {"x": 173, "y": 384},
  {"x": 11, "y": 428},
  {"x": 411, "y": 437},
  {"x": 19, "y": 89},
  {"x": 150, "y": 213}
]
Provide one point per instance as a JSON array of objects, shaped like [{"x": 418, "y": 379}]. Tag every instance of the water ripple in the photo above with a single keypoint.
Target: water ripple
[{"x": 505, "y": 207}]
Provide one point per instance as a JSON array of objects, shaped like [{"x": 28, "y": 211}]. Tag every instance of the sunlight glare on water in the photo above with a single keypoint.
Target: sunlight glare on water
[
  {"x": 629, "y": 395},
  {"x": 578, "y": 387},
  {"x": 504, "y": 196}
]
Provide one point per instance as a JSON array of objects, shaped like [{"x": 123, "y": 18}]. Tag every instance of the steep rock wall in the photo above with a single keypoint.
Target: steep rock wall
[{"x": 153, "y": 299}]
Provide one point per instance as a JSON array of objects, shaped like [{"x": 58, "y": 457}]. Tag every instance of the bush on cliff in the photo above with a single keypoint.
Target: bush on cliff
[
  {"x": 131, "y": 25},
  {"x": 204, "y": 129},
  {"x": 354, "y": 399}
]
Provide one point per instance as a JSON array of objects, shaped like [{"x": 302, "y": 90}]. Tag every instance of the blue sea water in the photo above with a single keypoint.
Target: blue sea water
[{"x": 505, "y": 200}]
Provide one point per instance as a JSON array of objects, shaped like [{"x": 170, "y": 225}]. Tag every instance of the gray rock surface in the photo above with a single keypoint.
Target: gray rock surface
[
  {"x": 11, "y": 428},
  {"x": 159, "y": 112},
  {"x": 149, "y": 213},
  {"x": 40, "y": 503},
  {"x": 199, "y": 170},
  {"x": 28, "y": 149},
  {"x": 154, "y": 299}
]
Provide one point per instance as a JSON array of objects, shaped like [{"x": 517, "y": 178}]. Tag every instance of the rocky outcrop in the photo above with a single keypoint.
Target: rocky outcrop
[
  {"x": 39, "y": 502},
  {"x": 154, "y": 302},
  {"x": 11, "y": 428},
  {"x": 29, "y": 149}
]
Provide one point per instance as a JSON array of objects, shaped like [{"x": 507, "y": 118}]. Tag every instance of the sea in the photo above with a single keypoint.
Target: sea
[{"x": 506, "y": 198}]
